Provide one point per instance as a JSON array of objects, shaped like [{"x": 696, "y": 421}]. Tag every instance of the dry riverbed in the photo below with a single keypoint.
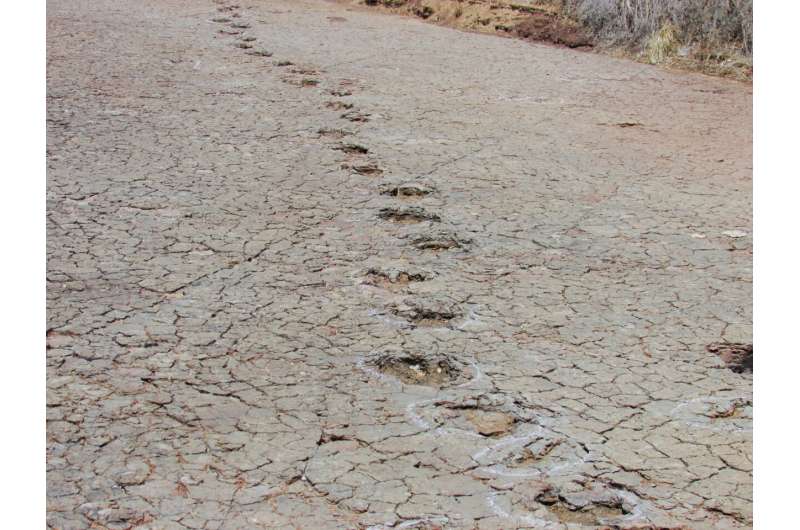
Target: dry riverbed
[{"x": 311, "y": 267}]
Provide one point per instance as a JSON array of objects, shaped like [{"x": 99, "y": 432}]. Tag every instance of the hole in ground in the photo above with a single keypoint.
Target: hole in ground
[
  {"x": 592, "y": 515},
  {"x": 338, "y": 105},
  {"x": 428, "y": 313},
  {"x": 355, "y": 116},
  {"x": 408, "y": 190},
  {"x": 301, "y": 82},
  {"x": 369, "y": 168},
  {"x": 417, "y": 369},
  {"x": 260, "y": 53},
  {"x": 736, "y": 356},
  {"x": 440, "y": 241},
  {"x": 353, "y": 149},
  {"x": 393, "y": 278},
  {"x": 333, "y": 133},
  {"x": 407, "y": 215},
  {"x": 533, "y": 452},
  {"x": 734, "y": 408},
  {"x": 303, "y": 71},
  {"x": 589, "y": 507},
  {"x": 492, "y": 414},
  {"x": 340, "y": 92}
]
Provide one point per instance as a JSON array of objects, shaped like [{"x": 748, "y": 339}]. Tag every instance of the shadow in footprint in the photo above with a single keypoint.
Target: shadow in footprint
[{"x": 408, "y": 215}]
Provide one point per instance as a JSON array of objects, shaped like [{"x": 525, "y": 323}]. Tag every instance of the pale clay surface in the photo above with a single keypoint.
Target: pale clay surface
[{"x": 224, "y": 298}]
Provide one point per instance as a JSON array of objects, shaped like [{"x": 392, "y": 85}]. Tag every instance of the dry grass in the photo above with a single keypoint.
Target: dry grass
[
  {"x": 662, "y": 44},
  {"x": 712, "y": 36}
]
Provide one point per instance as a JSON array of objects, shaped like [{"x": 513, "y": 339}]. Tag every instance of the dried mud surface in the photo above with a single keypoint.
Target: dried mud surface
[{"x": 312, "y": 267}]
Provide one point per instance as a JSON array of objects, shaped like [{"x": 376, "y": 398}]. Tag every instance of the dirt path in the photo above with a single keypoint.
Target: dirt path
[{"x": 417, "y": 278}]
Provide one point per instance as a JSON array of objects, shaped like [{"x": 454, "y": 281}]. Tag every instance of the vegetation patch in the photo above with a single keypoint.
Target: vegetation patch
[{"x": 711, "y": 36}]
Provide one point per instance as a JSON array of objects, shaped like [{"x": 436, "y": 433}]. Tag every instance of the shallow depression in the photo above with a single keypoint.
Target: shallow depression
[{"x": 418, "y": 369}]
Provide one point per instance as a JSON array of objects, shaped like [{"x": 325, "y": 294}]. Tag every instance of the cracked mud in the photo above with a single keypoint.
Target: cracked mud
[{"x": 244, "y": 330}]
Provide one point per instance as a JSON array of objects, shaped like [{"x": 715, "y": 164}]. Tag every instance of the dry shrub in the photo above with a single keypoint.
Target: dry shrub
[
  {"x": 712, "y": 36},
  {"x": 696, "y": 23}
]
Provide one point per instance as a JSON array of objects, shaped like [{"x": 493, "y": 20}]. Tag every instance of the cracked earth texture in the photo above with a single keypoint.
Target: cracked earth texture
[{"x": 311, "y": 266}]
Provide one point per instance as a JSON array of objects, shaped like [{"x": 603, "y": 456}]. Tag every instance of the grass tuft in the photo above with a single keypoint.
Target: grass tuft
[{"x": 663, "y": 44}]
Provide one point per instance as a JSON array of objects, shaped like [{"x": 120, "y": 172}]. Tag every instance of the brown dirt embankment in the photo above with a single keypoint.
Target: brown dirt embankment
[{"x": 551, "y": 22}]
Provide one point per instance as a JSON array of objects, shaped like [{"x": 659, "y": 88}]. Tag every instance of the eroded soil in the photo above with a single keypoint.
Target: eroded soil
[{"x": 314, "y": 267}]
